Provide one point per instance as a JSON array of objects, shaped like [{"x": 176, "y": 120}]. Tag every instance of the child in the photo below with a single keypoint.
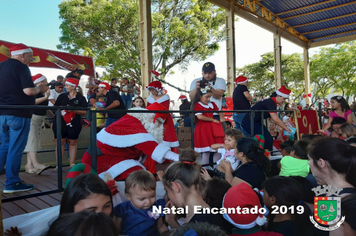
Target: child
[
  {"x": 135, "y": 217},
  {"x": 83, "y": 223},
  {"x": 182, "y": 182},
  {"x": 297, "y": 163},
  {"x": 340, "y": 109},
  {"x": 101, "y": 101},
  {"x": 214, "y": 191},
  {"x": 284, "y": 191},
  {"x": 286, "y": 147},
  {"x": 208, "y": 130},
  {"x": 347, "y": 131},
  {"x": 227, "y": 151},
  {"x": 138, "y": 102},
  {"x": 242, "y": 196}
]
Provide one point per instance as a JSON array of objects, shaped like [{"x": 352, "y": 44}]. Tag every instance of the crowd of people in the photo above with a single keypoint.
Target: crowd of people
[{"x": 230, "y": 166}]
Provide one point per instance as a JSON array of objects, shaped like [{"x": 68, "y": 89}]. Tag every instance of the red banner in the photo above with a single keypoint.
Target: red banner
[
  {"x": 52, "y": 59},
  {"x": 306, "y": 122}
]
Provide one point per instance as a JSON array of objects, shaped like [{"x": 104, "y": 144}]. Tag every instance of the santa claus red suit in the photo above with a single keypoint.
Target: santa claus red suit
[
  {"x": 169, "y": 133},
  {"x": 132, "y": 143}
]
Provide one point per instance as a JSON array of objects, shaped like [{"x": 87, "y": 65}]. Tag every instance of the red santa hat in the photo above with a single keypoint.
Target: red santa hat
[
  {"x": 105, "y": 85},
  {"x": 18, "y": 49},
  {"x": 241, "y": 79},
  {"x": 38, "y": 78},
  {"x": 72, "y": 81},
  {"x": 283, "y": 92},
  {"x": 156, "y": 85},
  {"x": 159, "y": 116},
  {"x": 244, "y": 197},
  {"x": 182, "y": 97}
]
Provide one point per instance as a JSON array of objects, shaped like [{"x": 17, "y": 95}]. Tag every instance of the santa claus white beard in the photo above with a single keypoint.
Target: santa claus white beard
[{"x": 147, "y": 120}]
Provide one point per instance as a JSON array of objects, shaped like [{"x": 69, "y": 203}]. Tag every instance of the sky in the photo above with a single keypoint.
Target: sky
[{"x": 36, "y": 23}]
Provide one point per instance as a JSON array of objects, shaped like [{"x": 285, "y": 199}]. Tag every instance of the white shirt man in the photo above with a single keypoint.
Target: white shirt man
[{"x": 217, "y": 85}]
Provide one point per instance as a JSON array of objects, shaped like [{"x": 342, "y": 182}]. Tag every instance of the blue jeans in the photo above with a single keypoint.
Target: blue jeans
[
  {"x": 13, "y": 138},
  {"x": 127, "y": 100},
  {"x": 109, "y": 121},
  {"x": 238, "y": 118}
]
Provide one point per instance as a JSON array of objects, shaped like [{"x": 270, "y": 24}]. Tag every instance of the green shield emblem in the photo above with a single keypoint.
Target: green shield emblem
[{"x": 327, "y": 210}]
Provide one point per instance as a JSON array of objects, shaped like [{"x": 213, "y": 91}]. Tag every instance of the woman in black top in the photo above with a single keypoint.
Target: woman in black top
[
  {"x": 254, "y": 166},
  {"x": 279, "y": 97},
  {"x": 34, "y": 137},
  {"x": 71, "y": 119}
]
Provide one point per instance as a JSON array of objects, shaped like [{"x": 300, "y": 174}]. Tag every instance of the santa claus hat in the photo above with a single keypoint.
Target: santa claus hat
[
  {"x": 156, "y": 85},
  {"x": 38, "y": 78},
  {"x": 244, "y": 197},
  {"x": 18, "y": 49},
  {"x": 72, "y": 81},
  {"x": 182, "y": 97},
  {"x": 105, "y": 85},
  {"x": 241, "y": 79},
  {"x": 283, "y": 92},
  {"x": 159, "y": 116}
]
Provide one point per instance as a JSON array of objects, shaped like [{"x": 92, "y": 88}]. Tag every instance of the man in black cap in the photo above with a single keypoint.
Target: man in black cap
[
  {"x": 77, "y": 73},
  {"x": 217, "y": 86}
]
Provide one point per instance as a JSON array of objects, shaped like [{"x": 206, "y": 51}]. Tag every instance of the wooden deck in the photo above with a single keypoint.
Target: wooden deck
[{"x": 45, "y": 182}]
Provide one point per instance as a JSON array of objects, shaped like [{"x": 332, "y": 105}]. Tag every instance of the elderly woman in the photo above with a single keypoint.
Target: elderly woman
[
  {"x": 333, "y": 162},
  {"x": 34, "y": 137},
  {"x": 71, "y": 124}
]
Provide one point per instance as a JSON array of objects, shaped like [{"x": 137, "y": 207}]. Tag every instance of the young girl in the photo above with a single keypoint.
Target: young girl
[
  {"x": 135, "y": 217},
  {"x": 208, "y": 130},
  {"x": 287, "y": 192},
  {"x": 340, "y": 108},
  {"x": 182, "y": 182},
  {"x": 157, "y": 95},
  {"x": 138, "y": 102},
  {"x": 227, "y": 151}
]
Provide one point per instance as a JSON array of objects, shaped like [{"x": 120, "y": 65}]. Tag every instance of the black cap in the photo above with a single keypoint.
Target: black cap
[
  {"x": 79, "y": 71},
  {"x": 208, "y": 67}
]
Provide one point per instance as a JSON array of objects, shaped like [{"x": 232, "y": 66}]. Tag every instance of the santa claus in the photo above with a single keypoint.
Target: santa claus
[{"x": 132, "y": 143}]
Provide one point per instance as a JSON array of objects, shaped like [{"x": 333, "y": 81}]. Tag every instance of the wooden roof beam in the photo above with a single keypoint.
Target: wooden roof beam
[
  {"x": 334, "y": 27},
  {"x": 320, "y": 10},
  {"x": 301, "y": 8},
  {"x": 332, "y": 18},
  {"x": 330, "y": 35}
]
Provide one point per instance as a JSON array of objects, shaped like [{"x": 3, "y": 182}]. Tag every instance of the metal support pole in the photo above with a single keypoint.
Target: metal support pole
[
  {"x": 93, "y": 140},
  {"x": 59, "y": 147}
]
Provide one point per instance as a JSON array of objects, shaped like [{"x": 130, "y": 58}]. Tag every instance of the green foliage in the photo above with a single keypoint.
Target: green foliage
[
  {"x": 261, "y": 74},
  {"x": 182, "y": 31},
  {"x": 333, "y": 69}
]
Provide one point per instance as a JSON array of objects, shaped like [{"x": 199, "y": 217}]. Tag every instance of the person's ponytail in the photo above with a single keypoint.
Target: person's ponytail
[{"x": 255, "y": 153}]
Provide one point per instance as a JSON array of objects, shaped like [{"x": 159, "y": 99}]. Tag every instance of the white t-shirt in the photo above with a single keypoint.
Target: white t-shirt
[
  {"x": 53, "y": 95},
  {"x": 219, "y": 84},
  {"x": 229, "y": 156}
]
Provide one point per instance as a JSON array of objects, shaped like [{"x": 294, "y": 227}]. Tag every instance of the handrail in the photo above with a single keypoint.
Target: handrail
[{"x": 91, "y": 116}]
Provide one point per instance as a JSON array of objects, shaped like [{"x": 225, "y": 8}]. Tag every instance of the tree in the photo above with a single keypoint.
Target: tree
[
  {"x": 261, "y": 74},
  {"x": 335, "y": 68},
  {"x": 182, "y": 31}
]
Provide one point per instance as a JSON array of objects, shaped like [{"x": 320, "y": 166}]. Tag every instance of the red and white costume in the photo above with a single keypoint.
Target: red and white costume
[
  {"x": 203, "y": 133},
  {"x": 129, "y": 144},
  {"x": 169, "y": 133}
]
